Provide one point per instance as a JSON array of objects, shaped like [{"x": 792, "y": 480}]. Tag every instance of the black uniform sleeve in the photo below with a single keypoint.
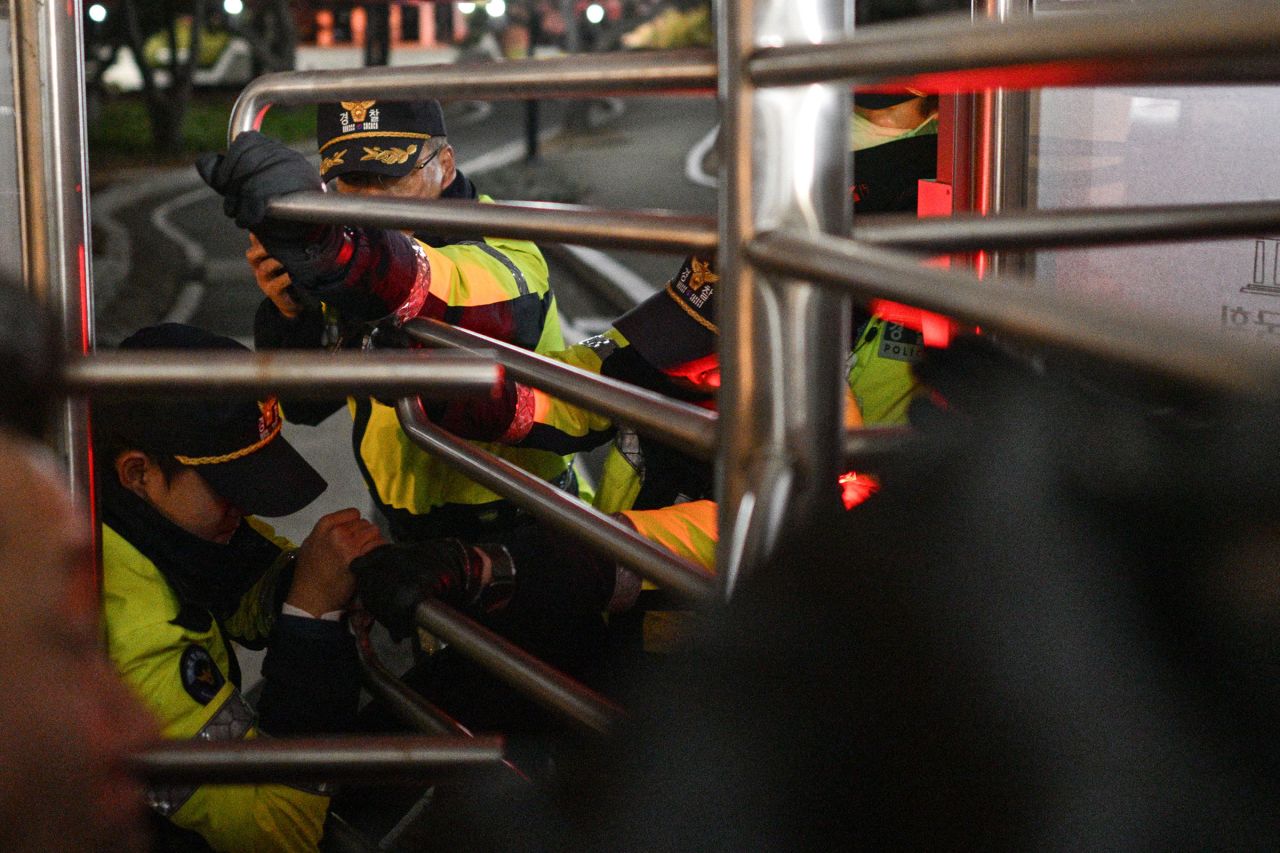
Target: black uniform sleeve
[
  {"x": 273, "y": 330},
  {"x": 311, "y": 678},
  {"x": 556, "y": 573}
]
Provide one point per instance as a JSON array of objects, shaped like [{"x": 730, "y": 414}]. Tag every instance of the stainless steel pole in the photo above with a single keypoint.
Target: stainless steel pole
[
  {"x": 1000, "y": 160},
  {"x": 1069, "y": 228},
  {"x": 54, "y": 173},
  {"x": 314, "y": 374},
  {"x": 409, "y": 707},
  {"x": 1166, "y": 43},
  {"x": 548, "y": 687},
  {"x": 407, "y": 759},
  {"x": 580, "y": 75},
  {"x": 1177, "y": 350},
  {"x": 783, "y": 342},
  {"x": 570, "y": 223}
]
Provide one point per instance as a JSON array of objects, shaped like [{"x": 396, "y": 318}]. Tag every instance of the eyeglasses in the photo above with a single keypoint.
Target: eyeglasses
[{"x": 376, "y": 179}]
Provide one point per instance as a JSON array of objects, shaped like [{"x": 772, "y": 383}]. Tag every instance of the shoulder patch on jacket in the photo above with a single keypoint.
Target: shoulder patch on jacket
[{"x": 200, "y": 675}]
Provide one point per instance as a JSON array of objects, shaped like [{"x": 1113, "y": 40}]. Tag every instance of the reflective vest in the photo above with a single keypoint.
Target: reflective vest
[
  {"x": 188, "y": 680},
  {"x": 497, "y": 287},
  {"x": 880, "y": 375}
]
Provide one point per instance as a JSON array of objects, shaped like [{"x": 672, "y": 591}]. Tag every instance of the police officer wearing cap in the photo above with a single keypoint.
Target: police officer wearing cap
[
  {"x": 666, "y": 344},
  {"x": 326, "y": 282},
  {"x": 187, "y": 568}
]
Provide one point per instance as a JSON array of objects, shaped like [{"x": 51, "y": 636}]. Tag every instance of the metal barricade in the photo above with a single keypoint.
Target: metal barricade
[{"x": 782, "y": 70}]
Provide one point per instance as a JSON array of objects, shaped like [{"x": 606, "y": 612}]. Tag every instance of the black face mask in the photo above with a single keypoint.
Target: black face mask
[
  {"x": 460, "y": 188},
  {"x": 208, "y": 578}
]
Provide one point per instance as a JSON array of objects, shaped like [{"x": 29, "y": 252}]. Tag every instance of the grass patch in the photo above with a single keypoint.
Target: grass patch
[{"x": 120, "y": 132}]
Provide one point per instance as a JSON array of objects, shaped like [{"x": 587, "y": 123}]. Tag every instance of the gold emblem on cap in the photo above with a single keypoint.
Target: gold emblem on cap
[
  {"x": 329, "y": 162},
  {"x": 390, "y": 156},
  {"x": 357, "y": 109},
  {"x": 702, "y": 275}
]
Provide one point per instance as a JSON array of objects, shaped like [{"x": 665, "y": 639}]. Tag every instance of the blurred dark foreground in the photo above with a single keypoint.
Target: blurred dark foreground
[{"x": 1055, "y": 628}]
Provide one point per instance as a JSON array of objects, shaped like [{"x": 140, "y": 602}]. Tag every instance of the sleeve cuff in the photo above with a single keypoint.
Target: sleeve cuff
[{"x": 332, "y": 616}]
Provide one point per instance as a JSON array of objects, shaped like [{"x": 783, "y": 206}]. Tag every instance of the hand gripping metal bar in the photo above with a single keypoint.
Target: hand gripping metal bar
[{"x": 610, "y": 536}]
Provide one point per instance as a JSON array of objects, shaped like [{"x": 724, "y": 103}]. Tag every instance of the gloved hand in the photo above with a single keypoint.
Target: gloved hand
[
  {"x": 254, "y": 170},
  {"x": 391, "y": 580}
]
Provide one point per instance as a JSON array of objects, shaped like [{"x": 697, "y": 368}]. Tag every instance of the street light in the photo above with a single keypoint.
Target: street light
[
  {"x": 595, "y": 13},
  {"x": 466, "y": 8},
  {"x": 97, "y": 13},
  {"x": 233, "y": 7},
  {"x": 496, "y": 8}
]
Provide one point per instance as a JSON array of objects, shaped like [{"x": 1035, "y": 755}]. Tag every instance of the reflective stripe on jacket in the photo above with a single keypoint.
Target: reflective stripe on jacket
[
  {"x": 880, "y": 371},
  {"x": 497, "y": 287}
]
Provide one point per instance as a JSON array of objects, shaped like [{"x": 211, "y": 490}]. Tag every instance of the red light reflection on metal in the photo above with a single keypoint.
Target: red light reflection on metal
[
  {"x": 84, "y": 298},
  {"x": 262, "y": 113},
  {"x": 937, "y": 329},
  {"x": 856, "y": 488},
  {"x": 1067, "y": 73},
  {"x": 702, "y": 373}
]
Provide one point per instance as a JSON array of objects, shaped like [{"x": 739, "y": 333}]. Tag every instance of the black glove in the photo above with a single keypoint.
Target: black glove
[
  {"x": 392, "y": 579},
  {"x": 254, "y": 170}
]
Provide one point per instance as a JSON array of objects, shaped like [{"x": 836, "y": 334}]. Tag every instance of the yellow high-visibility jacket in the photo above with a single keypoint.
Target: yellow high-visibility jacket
[{"x": 185, "y": 677}]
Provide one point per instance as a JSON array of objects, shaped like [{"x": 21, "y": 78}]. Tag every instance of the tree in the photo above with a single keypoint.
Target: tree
[
  {"x": 168, "y": 93},
  {"x": 377, "y": 34},
  {"x": 272, "y": 34}
]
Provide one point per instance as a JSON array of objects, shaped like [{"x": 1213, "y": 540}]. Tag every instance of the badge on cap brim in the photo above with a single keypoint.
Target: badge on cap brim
[
  {"x": 269, "y": 423},
  {"x": 359, "y": 115},
  {"x": 357, "y": 108},
  {"x": 200, "y": 675},
  {"x": 694, "y": 283}
]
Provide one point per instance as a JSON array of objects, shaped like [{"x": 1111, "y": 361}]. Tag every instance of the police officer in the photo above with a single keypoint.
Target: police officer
[
  {"x": 327, "y": 283},
  {"x": 187, "y": 568}
]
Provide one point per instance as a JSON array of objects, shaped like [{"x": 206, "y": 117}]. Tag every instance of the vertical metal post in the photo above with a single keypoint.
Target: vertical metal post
[
  {"x": 532, "y": 129},
  {"x": 568, "y": 11},
  {"x": 54, "y": 175},
  {"x": 1001, "y": 139},
  {"x": 782, "y": 342}
]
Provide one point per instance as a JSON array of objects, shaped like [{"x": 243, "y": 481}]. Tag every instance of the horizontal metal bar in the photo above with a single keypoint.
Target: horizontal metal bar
[
  {"x": 568, "y": 223},
  {"x": 131, "y": 373},
  {"x": 386, "y": 759},
  {"x": 1163, "y": 347},
  {"x": 404, "y": 703},
  {"x": 543, "y": 500},
  {"x": 1053, "y": 229},
  {"x": 550, "y": 688},
  {"x": 580, "y": 75},
  {"x": 684, "y": 426},
  {"x": 409, "y": 707},
  {"x": 868, "y": 449},
  {"x": 1167, "y": 43}
]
